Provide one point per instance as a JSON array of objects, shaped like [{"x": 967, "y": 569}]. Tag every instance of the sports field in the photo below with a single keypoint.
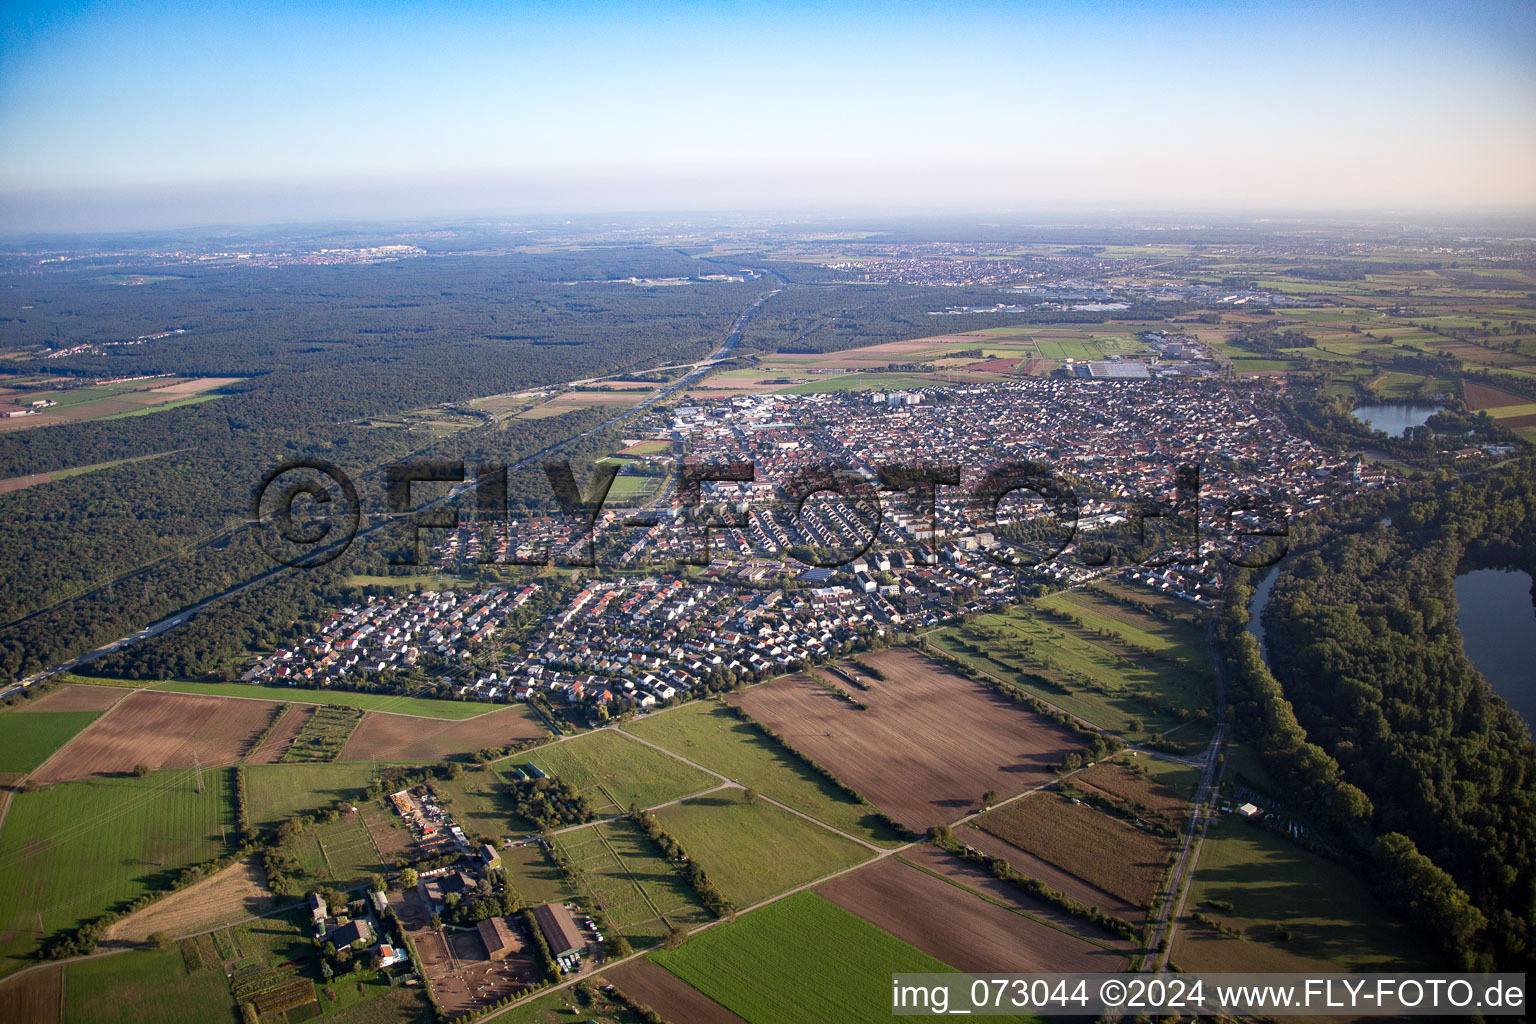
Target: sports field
[
  {"x": 73, "y": 851},
  {"x": 709, "y": 734},
  {"x": 753, "y": 851},
  {"x": 800, "y": 959}
]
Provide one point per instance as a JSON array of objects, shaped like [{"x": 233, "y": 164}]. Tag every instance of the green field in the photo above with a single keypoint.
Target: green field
[
  {"x": 708, "y": 733},
  {"x": 753, "y": 851},
  {"x": 614, "y": 771},
  {"x": 339, "y": 853},
  {"x": 1120, "y": 669},
  {"x": 27, "y": 739},
  {"x": 632, "y": 882},
  {"x": 534, "y": 876},
  {"x": 145, "y": 987},
  {"x": 71, "y": 852},
  {"x": 1334, "y": 922},
  {"x": 279, "y": 791},
  {"x": 481, "y": 804},
  {"x": 858, "y": 382},
  {"x": 800, "y": 959},
  {"x": 423, "y": 707},
  {"x": 1069, "y": 350}
]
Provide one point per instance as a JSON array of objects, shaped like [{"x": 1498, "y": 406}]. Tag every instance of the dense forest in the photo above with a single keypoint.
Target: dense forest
[
  {"x": 1377, "y": 721},
  {"x": 323, "y": 351}
]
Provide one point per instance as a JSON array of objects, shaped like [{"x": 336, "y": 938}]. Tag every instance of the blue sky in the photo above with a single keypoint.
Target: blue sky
[{"x": 263, "y": 110}]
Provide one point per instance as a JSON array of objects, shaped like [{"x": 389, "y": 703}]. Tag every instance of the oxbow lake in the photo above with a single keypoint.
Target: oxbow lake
[{"x": 1498, "y": 630}]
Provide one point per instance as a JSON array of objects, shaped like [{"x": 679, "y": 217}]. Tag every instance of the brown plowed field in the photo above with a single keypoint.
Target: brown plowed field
[
  {"x": 161, "y": 730},
  {"x": 77, "y": 697},
  {"x": 274, "y": 746},
  {"x": 930, "y": 745},
  {"x": 959, "y": 928},
  {"x": 33, "y": 998},
  {"x": 239, "y": 891},
  {"x": 653, "y": 986},
  {"x": 1481, "y": 396},
  {"x": 1074, "y": 836},
  {"x": 406, "y": 738},
  {"x": 1026, "y": 863},
  {"x": 978, "y": 878}
]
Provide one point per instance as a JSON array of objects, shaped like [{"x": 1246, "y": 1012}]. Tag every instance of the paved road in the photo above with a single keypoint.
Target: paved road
[{"x": 1161, "y": 941}]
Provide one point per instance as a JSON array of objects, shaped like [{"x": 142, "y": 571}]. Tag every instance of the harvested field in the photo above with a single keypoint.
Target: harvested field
[
  {"x": 931, "y": 743},
  {"x": 1481, "y": 396},
  {"x": 1140, "y": 792},
  {"x": 237, "y": 892},
  {"x": 37, "y": 996},
  {"x": 995, "y": 365},
  {"x": 1074, "y": 836},
  {"x": 1062, "y": 881},
  {"x": 400, "y": 738},
  {"x": 161, "y": 730},
  {"x": 276, "y": 745},
  {"x": 76, "y": 697},
  {"x": 959, "y": 928},
  {"x": 653, "y": 986},
  {"x": 978, "y": 879}
]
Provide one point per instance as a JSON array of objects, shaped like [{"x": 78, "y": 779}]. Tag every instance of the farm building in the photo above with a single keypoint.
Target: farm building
[
  {"x": 501, "y": 938},
  {"x": 353, "y": 932},
  {"x": 559, "y": 929}
]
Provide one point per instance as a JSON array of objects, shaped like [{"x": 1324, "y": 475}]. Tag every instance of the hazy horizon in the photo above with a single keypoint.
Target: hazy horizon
[{"x": 121, "y": 118}]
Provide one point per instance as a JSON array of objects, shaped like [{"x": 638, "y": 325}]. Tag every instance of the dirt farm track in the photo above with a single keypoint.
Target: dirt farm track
[
  {"x": 160, "y": 730},
  {"x": 931, "y": 743}
]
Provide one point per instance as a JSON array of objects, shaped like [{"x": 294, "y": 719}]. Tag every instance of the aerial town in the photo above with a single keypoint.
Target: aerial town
[{"x": 781, "y": 588}]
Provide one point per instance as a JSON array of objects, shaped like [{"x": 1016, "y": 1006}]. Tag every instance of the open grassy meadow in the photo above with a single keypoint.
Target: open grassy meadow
[
  {"x": 753, "y": 851},
  {"x": 797, "y": 960},
  {"x": 1106, "y": 662},
  {"x": 279, "y": 791},
  {"x": 27, "y": 740},
  {"x": 709, "y": 734},
  {"x": 534, "y": 875},
  {"x": 614, "y": 771},
  {"x": 1290, "y": 910},
  {"x": 146, "y": 987},
  {"x": 73, "y": 851}
]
